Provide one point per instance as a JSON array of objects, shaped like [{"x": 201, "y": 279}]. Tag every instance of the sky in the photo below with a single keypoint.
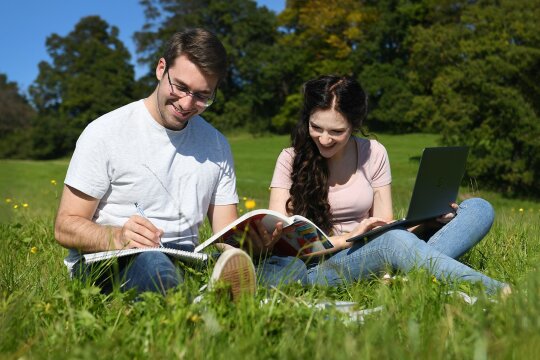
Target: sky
[{"x": 26, "y": 24}]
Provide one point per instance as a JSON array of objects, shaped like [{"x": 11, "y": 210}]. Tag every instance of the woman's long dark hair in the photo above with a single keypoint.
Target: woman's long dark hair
[{"x": 309, "y": 190}]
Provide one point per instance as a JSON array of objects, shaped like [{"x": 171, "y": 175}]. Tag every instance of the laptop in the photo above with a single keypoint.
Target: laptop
[{"x": 436, "y": 187}]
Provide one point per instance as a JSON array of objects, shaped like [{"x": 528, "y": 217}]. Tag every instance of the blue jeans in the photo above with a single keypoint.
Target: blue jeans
[
  {"x": 400, "y": 250},
  {"x": 148, "y": 271}
]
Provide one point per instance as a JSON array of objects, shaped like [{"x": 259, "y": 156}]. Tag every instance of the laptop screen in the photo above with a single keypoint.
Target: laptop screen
[{"x": 437, "y": 182}]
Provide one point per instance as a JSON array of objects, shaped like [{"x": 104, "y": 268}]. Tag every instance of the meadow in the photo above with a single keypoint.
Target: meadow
[{"x": 43, "y": 314}]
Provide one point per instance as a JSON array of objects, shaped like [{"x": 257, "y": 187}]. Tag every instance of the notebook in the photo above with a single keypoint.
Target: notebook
[{"x": 436, "y": 187}]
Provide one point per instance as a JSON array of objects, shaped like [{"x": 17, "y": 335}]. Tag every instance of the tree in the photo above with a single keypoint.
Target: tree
[
  {"x": 318, "y": 37},
  {"x": 477, "y": 83},
  {"x": 15, "y": 111},
  {"x": 384, "y": 57},
  {"x": 90, "y": 75},
  {"x": 367, "y": 39},
  {"x": 327, "y": 32},
  {"x": 16, "y": 115},
  {"x": 385, "y": 54}
]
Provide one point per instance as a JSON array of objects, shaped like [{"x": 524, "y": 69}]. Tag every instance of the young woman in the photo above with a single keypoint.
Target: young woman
[{"x": 342, "y": 183}]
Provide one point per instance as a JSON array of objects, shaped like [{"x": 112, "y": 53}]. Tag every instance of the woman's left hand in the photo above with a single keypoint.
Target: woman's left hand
[{"x": 446, "y": 218}]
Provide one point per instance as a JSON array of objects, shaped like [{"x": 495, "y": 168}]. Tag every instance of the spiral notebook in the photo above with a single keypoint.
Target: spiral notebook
[
  {"x": 187, "y": 256},
  {"x": 436, "y": 187}
]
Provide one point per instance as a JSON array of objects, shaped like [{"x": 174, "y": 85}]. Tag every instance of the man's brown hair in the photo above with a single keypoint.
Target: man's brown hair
[{"x": 201, "y": 47}]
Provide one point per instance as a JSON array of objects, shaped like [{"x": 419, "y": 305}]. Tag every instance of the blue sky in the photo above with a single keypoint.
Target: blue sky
[{"x": 25, "y": 25}]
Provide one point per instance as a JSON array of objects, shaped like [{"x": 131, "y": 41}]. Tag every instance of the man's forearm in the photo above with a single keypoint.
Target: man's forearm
[{"x": 76, "y": 232}]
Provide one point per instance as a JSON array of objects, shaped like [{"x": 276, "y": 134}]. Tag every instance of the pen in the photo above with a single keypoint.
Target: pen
[{"x": 141, "y": 212}]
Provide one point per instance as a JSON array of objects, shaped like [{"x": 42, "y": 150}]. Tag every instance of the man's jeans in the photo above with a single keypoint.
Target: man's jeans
[
  {"x": 147, "y": 271},
  {"x": 398, "y": 249}
]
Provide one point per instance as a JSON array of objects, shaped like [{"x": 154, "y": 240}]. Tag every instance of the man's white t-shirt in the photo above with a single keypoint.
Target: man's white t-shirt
[{"x": 126, "y": 157}]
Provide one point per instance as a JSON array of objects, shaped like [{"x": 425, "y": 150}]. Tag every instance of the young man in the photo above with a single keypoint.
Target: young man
[{"x": 161, "y": 154}]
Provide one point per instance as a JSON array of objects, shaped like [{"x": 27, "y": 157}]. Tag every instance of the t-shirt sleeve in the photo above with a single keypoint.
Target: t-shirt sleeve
[
  {"x": 88, "y": 168},
  {"x": 379, "y": 165},
  {"x": 283, "y": 169},
  {"x": 225, "y": 193}
]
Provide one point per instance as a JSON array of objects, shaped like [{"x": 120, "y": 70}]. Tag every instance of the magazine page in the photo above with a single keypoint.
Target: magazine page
[
  {"x": 236, "y": 231},
  {"x": 302, "y": 238}
]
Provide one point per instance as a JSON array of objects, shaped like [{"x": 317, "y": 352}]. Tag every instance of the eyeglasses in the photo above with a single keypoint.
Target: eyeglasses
[{"x": 182, "y": 91}]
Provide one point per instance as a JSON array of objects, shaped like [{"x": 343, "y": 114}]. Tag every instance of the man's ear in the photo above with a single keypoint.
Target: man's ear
[{"x": 160, "y": 68}]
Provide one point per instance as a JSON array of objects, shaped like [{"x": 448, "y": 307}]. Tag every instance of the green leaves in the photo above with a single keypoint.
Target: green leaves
[
  {"x": 481, "y": 93},
  {"x": 89, "y": 75}
]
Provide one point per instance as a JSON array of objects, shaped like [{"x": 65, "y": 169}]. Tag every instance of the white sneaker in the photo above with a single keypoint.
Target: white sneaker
[{"x": 235, "y": 269}]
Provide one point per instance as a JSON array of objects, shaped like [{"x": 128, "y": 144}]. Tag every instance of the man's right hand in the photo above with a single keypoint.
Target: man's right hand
[
  {"x": 75, "y": 229},
  {"x": 138, "y": 232}
]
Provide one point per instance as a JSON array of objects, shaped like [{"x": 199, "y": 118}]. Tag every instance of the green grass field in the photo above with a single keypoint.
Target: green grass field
[{"x": 45, "y": 315}]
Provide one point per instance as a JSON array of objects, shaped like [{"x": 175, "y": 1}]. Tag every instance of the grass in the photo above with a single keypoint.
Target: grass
[
  {"x": 45, "y": 315},
  {"x": 38, "y": 184}
]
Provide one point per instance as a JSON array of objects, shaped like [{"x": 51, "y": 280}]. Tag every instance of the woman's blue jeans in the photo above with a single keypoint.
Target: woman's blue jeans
[{"x": 400, "y": 250}]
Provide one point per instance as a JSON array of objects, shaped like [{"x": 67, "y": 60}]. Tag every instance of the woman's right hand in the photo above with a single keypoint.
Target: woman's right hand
[
  {"x": 368, "y": 224},
  {"x": 340, "y": 241},
  {"x": 261, "y": 241}
]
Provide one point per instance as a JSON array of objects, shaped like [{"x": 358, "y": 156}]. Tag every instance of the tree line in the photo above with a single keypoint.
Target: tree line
[{"x": 468, "y": 70}]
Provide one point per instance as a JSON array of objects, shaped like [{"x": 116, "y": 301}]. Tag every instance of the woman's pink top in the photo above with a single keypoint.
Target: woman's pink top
[{"x": 350, "y": 203}]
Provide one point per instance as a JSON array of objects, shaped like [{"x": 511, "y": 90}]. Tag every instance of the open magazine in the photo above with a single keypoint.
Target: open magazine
[{"x": 300, "y": 237}]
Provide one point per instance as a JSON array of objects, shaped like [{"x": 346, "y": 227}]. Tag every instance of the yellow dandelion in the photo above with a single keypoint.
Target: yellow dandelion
[
  {"x": 250, "y": 204},
  {"x": 8, "y": 200},
  {"x": 244, "y": 198},
  {"x": 25, "y": 205},
  {"x": 520, "y": 209},
  {"x": 34, "y": 250},
  {"x": 15, "y": 206},
  {"x": 53, "y": 182}
]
